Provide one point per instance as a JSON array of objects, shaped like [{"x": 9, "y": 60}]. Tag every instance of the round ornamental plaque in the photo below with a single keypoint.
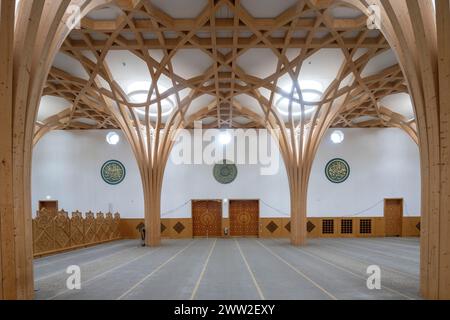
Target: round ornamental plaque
[
  {"x": 113, "y": 172},
  {"x": 337, "y": 170},
  {"x": 225, "y": 173}
]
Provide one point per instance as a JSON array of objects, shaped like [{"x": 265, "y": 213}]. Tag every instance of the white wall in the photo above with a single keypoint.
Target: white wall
[
  {"x": 384, "y": 164},
  {"x": 66, "y": 166}
]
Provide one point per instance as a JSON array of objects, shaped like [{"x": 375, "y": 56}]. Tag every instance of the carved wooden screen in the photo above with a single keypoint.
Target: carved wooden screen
[{"x": 56, "y": 232}]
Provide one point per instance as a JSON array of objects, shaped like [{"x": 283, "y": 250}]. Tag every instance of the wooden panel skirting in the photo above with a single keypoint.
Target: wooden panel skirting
[
  {"x": 177, "y": 228},
  {"x": 55, "y": 232},
  {"x": 280, "y": 227}
]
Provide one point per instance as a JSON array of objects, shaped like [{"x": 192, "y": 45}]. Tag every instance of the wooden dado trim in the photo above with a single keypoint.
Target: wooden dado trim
[{"x": 179, "y": 228}]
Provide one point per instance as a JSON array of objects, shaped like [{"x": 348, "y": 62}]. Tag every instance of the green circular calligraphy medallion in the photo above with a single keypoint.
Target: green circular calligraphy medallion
[
  {"x": 113, "y": 172},
  {"x": 225, "y": 173},
  {"x": 337, "y": 170}
]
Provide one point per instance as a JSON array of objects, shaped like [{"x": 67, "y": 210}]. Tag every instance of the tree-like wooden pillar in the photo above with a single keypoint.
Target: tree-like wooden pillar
[
  {"x": 307, "y": 122},
  {"x": 151, "y": 147},
  {"x": 30, "y": 42},
  {"x": 298, "y": 145},
  {"x": 419, "y": 35}
]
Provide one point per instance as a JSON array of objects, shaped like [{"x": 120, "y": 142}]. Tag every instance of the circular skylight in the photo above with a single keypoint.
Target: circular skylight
[
  {"x": 337, "y": 136},
  {"x": 312, "y": 92},
  {"x": 224, "y": 137},
  {"x": 138, "y": 93},
  {"x": 112, "y": 138}
]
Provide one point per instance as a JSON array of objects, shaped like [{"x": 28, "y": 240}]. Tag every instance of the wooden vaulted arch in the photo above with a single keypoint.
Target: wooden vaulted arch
[
  {"x": 418, "y": 34},
  {"x": 31, "y": 43}
]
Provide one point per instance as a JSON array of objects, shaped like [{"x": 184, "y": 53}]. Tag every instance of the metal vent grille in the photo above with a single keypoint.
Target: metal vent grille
[
  {"x": 346, "y": 226},
  {"x": 327, "y": 226},
  {"x": 365, "y": 226}
]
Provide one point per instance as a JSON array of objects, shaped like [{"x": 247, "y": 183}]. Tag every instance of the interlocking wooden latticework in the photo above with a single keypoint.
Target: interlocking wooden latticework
[
  {"x": 224, "y": 31},
  {"x": 56, "y": 231}
]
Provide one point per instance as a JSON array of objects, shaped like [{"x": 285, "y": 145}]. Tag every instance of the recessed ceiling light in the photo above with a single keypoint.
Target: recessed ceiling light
[
  {"x": 112, "y": 138},
  {"x": 312, "y": 92},
  {"x": 337, "y": 136},
  {"x": 138, "y": 93},
  {"x": 224, "y": 137},
  {"x": 312, "y": 85}
]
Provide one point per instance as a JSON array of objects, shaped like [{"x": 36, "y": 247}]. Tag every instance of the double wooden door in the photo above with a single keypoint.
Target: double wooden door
[
  {"x": 393, "y": 217},
  {"x": 244, "y": 218},
  {"x": 207, "y": 218}
]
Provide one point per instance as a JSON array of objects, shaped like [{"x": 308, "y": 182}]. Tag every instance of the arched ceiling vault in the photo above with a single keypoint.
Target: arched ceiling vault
[{"x": 229, "y": 63}]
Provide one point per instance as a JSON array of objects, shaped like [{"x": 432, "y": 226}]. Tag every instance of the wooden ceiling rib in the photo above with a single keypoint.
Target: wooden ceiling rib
[{"x": 141, "y": 26}]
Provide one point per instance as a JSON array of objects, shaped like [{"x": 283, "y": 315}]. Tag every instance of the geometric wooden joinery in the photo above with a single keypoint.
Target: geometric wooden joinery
[{"x": 225, "y": 78}]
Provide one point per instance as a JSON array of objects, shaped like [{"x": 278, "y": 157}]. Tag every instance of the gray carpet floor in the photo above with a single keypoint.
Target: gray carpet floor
[{"x": 235, "y": 269}]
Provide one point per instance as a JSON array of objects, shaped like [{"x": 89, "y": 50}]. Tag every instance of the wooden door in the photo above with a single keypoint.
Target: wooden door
[
  {"x": 49, "y": 205},
  {"x": 207, "y": 218},
  {"x": 393, "y": 217},
  {"x": 244, "y": 218}
]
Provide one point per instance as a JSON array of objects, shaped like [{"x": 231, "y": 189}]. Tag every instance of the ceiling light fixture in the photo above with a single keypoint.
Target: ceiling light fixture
[
  {"x": 312, "y": 92},
  {"x": 112, "y": 138},
  {"x": 337, "y": 136},
  {"x": 224, "y": 137},
  {"x": 138, "y": 92}
]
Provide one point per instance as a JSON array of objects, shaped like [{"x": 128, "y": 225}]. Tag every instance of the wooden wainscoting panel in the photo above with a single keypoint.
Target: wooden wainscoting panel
[
  {"x": 275, "y": 227},
  {"x": 314, "y": 225},
  {"x": 171, "y": 228},
  {"x": 411, "y": 227},
  {"x": 244, "y": 218},
  {"x": 280, "y": 227},
  {"x": 207, "y": 218},
  {"x": 177, "y": 228},
  {"x": 128, "y": 228}
]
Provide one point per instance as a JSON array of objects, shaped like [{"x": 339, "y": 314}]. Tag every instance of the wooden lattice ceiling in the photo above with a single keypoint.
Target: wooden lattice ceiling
[{"x": 223, "y": 32}]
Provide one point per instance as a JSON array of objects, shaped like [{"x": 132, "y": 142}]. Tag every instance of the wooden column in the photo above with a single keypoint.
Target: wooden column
[
  {"x": 8, "y": 268},
  {"x": 419, "y": 36},
  {"x": 28, "y": 50},
  {"x": 151, "y": 142},
  {"x": 153, "y": 216},
  {"x": 443, "y": 242},
  {"x": 298, "y": 215}
]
